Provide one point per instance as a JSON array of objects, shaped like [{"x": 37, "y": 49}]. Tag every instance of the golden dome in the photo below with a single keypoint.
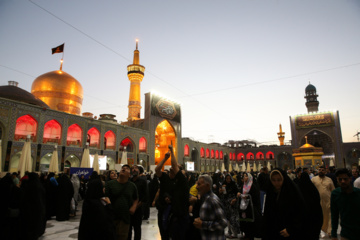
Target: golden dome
[{"x": 60, "y": 91}]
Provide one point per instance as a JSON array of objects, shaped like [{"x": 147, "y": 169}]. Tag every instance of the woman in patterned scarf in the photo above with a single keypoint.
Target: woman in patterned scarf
[{"x": 250, "y": 217}]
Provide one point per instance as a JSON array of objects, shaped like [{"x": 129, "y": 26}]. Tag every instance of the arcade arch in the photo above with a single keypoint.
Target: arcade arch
[{"x": 164, "y": 136}]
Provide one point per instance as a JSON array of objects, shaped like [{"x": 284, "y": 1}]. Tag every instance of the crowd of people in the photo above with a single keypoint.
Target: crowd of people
[{"x": 271, "y": 205}]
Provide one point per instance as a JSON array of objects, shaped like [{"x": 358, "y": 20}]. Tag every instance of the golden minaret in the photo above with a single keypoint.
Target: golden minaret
[
  {"x": 135, "y": 75},
  {"x": 281, "y": 136}
]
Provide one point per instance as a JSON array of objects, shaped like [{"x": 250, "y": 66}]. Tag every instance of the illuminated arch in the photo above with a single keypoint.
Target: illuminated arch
[
  {"x": 93, "y": 137},
  {"x": 217, "y": 154},
  {"x": 142, "y": 144},
  {"x": 269, "y": 155},
  {"x": 25, "y": 125},
  {"x": 109, "y": 140},
  {"x": 186, "y": 150},
  {"x": 207, "y": 153},
  {"x": 52, "y": 132},
  {"x": 73, "y": 160},
  {"x": 74, "y": 135},
  {"x": 259, "y": 156},
  {"x": 128, "y": 143},
  {"x": 250, "y": 156},
  {"x": 202, "y": 152},
  {"x": 212, "y": 153},
  {"x": 240, "y": 157},
  {"x": 164, "y": 136},
  {"x": 14, "y": 162},
  {"x": 221, "y": 155}
]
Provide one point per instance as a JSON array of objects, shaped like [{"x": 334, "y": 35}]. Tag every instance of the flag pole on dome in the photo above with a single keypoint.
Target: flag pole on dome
[{"x": 59, "y": 49}]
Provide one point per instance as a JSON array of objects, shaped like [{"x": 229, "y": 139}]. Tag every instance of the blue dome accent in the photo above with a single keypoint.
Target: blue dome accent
[{"x": 310, "y": 88}]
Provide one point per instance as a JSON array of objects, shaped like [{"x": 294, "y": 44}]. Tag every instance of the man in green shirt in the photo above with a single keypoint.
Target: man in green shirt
[
  {"x": 124, "y": 198},
  {"x": 345, "y": 201}
]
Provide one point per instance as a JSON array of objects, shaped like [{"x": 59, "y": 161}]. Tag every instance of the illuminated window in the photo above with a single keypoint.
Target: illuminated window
[
  {"x": 94, "y": 137},
  {"x": 25, "y": 125},
  {"x": 212, "y": 153},
  {"x": 240, "y": 156},
  {"x": 142, "y": 144},
  {"x": 202, "y": 152},
  {"x": 249, "y": 156},
  {"x": 221, "y": 155},
  {"x": 52, "y": 132},
  {"x": 186, "y": 150},
  {"x": 74, "y": 135},
  {"x": 259, "y": 156},
  {"x": 207, "y": 153},
  {"x": 269, "y": 155},
  {"x": 109, "y": 140},
  {"x": 217, "y": 154},
  {"x": 128, "y": 144},
  {"x": 230, "y": 156}
]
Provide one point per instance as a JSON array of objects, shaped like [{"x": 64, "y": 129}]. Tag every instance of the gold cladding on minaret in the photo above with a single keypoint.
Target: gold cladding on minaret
[
  {"x": 135, "y": 75},
  {"x": 281, "y": 136},
  {"x": 60, "y": 91}
]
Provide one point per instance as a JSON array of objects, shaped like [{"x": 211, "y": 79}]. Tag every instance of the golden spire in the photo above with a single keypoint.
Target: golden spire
[
  {"x": 136, "y": 54},
  {"x": 281, "y": 136}
]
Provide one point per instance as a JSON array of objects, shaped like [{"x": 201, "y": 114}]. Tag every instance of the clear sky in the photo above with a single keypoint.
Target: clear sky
[{"x": 238, "y": 68}]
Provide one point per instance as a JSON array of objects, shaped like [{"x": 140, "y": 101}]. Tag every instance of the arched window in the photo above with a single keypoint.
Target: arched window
[
  {"x": 128, "y": 143},
  {"x": 250, "y": 156},
  {"x": 221, "y": 155},
  {"x": 212, "y": 153},
  {"x": 110, "y": 140},
  {"x": 52, "y": 132},
  {"x": 25, "y": 125},
  {"x": 240, "y": 156},
  {"x": 142, "y": 144},
  {"x": 186, "y": 150},
  {"x": 94, "y": 136},
  {"x": 217, "y": 154},
  {"x": 259, "y": 156},
  {"x": 207, "y": 153},
  {"x": 74, "y": 135},
  {"x": 269, "y": 155},
  {"x": 202, "y": 152}
]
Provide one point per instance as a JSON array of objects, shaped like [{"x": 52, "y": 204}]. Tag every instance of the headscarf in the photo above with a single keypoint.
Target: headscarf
[
  {"x": 75, "y": 180},
  {"x": 95, "y": 190},
  {"x": 248, "y": 183}
]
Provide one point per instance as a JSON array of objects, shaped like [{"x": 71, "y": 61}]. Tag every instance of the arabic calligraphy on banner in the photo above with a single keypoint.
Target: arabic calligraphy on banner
[
  {"x": 165, "y": 108},
  {"x": 314, "y": 120}
]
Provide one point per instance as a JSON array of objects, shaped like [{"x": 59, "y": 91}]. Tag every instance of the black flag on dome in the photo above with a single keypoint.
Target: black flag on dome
[{"x": 58, "y": 49}]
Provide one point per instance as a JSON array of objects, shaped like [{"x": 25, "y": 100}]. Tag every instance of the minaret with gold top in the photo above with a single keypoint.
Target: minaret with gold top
[
  {"x": 281, "y": 136},
  {"x": 135, "y": 75}
]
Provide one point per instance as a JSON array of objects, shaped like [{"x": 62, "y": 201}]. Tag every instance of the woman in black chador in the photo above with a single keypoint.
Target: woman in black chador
[
  {"x": 64, "y": 195},
  {"x": 32, "y": 208},
  {"x": 97, "y": 214},
  {"x": 284, "y": 208},
  {"x": 313, "y": 213}
]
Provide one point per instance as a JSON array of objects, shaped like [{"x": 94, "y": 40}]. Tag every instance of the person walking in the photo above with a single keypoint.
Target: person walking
[
  {"x": 345, "y": 203},
  {"x": 313, "y": 211},
  {"x": 325, "y": 186},
  {"x": 284, "y": 208},
  {"x": 212, "y": 220}
]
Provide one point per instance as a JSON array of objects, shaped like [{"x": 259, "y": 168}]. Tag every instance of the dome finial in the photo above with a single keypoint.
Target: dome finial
[{"x": 137, "y": 41}]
